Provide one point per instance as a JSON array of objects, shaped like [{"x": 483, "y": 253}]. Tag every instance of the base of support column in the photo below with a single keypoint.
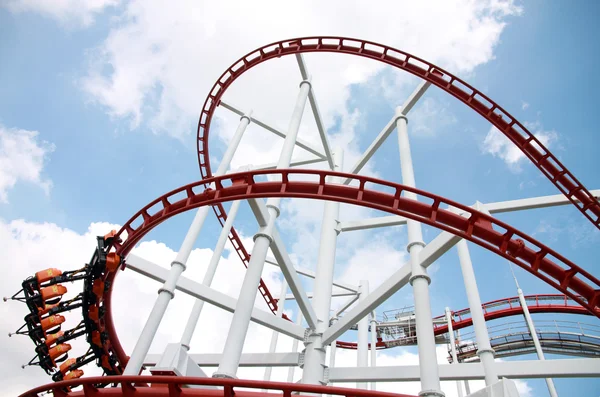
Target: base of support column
[
  {"x": 431, "y": 393},
  {"x": 176, "y": 361},
  {"x": 502, "y": 388}
]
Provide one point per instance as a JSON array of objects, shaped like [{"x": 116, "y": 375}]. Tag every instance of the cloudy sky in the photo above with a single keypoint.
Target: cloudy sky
[{"x": 98, "y": 109}]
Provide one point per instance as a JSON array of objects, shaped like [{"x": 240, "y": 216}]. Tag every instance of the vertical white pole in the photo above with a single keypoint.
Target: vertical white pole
[
  {"x": 188, "y": 332},
  {"x": 484, "y": 349},
  {"x": 275, "y": 334},
  {"x": 466, "y": 382},
  {"x": 373, "y": 345},
  {"x": 453, "y": 347},
  {"x": 363, "y": 333},
  {"x": 262, "y": 240},
  {"x": 332, "y": 350},
  {"x": 536, "y": 342},
  {"x": 428, "y": 368},
  {"x": 315, "y": 352},
  {"x": 291, "y": 370},
  {"x": 167, "y": 292}
]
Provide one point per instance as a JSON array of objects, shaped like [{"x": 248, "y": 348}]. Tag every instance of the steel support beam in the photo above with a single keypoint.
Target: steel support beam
[
  {"x": 362, "y": 356},
  {"x": 310, "y": 295},
  {"x": 178, "y": 266},
  {"x": 311, "y": 274},
  {"x": 387, "y": 130},
  {"x": 299, "y": 142},
  {"x": 297, "y": 163},
  {"x": 430, "y": 253},
  {"x": 527, "y": 369},
  {"x": 260, "y": 210},
  {"x": 213, "y": 297},
  {"x": 493, "y": 208},
  {"x": 288, "y": 359},
  {"x": 315, "y": 109}
]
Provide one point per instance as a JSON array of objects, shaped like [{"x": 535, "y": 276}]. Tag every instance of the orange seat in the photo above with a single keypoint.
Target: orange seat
[
  {"x": 64, "y": 367},
  {"x": 94, "y": 313},
  {"x": 98, "y": 288},
  {"x": 47, "y": 275},
  {"x": 51, "y": 339},
  {"x": 46, "y": 309},
  {"x": 112, "y": 261},
  {"x": 76, "y": 373},
  {"x": 52, "y": 321},
  {"x": 53, "y": 291},
  {"x": 58, "y": 350}
]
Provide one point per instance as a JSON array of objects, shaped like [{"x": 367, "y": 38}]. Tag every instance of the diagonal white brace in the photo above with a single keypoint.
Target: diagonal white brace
[
  {"x": 430, "y": 253},
  {"x": 315, "y": 109},
  {"x": 299, "y": 142},
  {"x": 213, "y": 297},
  {"x": 285, "y": 263}
]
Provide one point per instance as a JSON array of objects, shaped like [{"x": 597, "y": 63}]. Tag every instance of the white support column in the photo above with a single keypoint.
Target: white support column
[
  {"x": 362, "y": 356},
  {"x": 188, "y": 332},
  {"x": 275, "y": 335},
  {"x": 453, "y": 347},
  {"x": 167, "y": 291},
  {"x": 315, "y": 351},
  {"x": 484, "y": 348},
  {"x": 373, "y": 345},
  {"x": 430, "y": 380},
  {"x": 262, "y": 240},
  {"x": 536, "y": 341},
  {"x": 291, "y": 370}
]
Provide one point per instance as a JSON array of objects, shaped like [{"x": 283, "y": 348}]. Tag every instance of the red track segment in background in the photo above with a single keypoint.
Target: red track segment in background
[
  {"x": 475, "y": 226},
  {"x": 496, "y": 309},
  {"x": 171, "y": 386}
]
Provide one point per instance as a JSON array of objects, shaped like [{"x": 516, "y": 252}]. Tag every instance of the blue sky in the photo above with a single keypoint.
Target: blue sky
[{"x": 114, "y": 96}]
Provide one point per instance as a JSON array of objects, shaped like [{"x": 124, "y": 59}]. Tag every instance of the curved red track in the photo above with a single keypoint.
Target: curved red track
[
  {"x": 533, "y": 256},
  {"x": 481, "y": 229},
  {"x": 172, "y": 387},
  {"x": 495, "y": 114},
  {"x": 547, "y": 303}
]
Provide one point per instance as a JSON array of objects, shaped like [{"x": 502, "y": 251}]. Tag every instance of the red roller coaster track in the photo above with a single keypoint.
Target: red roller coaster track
[
  {"x": 546, "y": 303},
  {"x": 172, "y": 387},
  {"x": 477, "y": 227},
  {"x": 550, "y": 166}
]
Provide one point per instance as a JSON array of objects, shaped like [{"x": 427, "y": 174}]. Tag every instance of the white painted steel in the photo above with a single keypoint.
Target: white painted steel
[
  {"x": 315, "y": 349},
  {"x": 517, "y": 369},
  {"x": 493, "y": 208},
  {"x": 449, "y": 319},
  {"x": 310, "y": 295},
  {"x": 167, "y": 292},
  {"x": 213, "y": 297},
  {"x": 373, "y": 331},
  {"x": 311, "y": 274},
  {"x": 299, "y": 142},
  {"x": 294, "y": 348},
  {"x": 275, "y": 334},
  {"x": 272, "y": 166},
  {"x": 262, "y": 240},
  {"x": 362, "y": 356},
  {"x": 534, "y": 336},
  {"x": 484, "y": 348},
  {"x": 430, "y": 381},
  {"x": 317, "y": 114},
  {"x": 188, "y": 332},
  {"x": 284, "y": 359},
  {"x": 261, "y": 213},
  {"x": 432, "y": 251}
]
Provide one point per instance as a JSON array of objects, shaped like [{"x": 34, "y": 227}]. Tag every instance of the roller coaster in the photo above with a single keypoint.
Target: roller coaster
[{"x": 578, "y": 291}]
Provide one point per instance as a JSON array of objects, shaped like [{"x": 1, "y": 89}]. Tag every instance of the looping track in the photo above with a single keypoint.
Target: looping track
[{"x": 476, "y": 227}]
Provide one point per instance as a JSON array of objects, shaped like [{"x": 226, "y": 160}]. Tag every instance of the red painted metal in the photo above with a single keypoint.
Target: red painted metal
[
  {"x": 171, "y": 386},
  {"x": 546, "y": 303},
  {"x": 533, "y": 149},
  {"x": 475, "y": 226}
]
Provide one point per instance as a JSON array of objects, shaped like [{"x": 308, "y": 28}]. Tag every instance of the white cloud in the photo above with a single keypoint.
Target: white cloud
[
  {"x": 524, "y": 105},
  {"x": 22, "y": 158},
  {"x": 498, "y": 145},
  {"x": 68, "y": 12}
]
